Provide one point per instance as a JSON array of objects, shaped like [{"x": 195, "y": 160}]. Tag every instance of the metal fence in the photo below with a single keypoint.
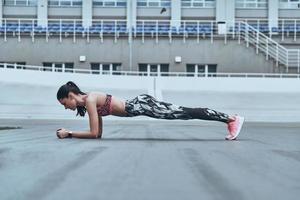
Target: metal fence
[
  {"x": 251, "y": 31},
  {"x": 44, "y": 69}
]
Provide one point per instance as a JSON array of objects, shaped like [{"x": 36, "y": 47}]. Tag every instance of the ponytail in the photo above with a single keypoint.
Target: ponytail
[{"x": 63, "y": 92}]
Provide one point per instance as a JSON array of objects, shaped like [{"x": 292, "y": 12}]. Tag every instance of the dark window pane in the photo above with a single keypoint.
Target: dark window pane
[
  {"x": 212, "y": 69},
  {"x": 21, "y": 63},
  {"x": 201, "y": 70},
  {"x": 58, "y": 67},
  {"x": 69, "y": 67},
  {"x": 153, "y": 70},
  {"x": 164, "y": 68},
  {"x": 190, "y": 68},
  {"x": 116, "y": 67},
  {"x": 143, "y": 68},
  {"x": 95, "y": 67},
  {"x": 47, "y": 66},
  {"x": 105, "y": 68}
]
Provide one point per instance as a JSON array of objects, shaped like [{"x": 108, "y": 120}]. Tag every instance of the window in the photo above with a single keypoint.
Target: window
[
  {"x": 65, "y": 3},
  {"x": 69, "y": 67},
  {"x": 164, "y": 69},
  {"x": 154, "y": 69},
  {"x": 198, "y": 3},
  {"x": 154, "y": 3},
  {"x": 143, "y": 68},
  {"x": 58, "y": 67},
  {"x": 106, "y": 68},
  {"x": 201, "y": 69},
  {"x": 289, "y": 4},
  {"x": 253, "y": 4},
  {"x": 109, "y": 3},
  {"x": 20, "y": 2},
  {"x": 13, "y": 65},
  {"x": 47, "y": 67}
]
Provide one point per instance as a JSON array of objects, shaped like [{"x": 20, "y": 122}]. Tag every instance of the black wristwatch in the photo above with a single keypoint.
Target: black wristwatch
[{"x": 70, "y": 134}]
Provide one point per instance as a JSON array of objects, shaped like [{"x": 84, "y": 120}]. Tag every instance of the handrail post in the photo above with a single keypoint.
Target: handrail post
[
  {"x": 212, "y": 32},
  {"x": 184, "y": 24},
  {"x": 19, "y": 31},
  {"x": 60, "y": 37},
  {"x": 156, "y": 29},
  {"x": 101, "y": 69},
  {"x": 5, "y": 26},
  {"x": 239, "y": 36},
  {"x": 277, "y": 55},
  {"x": 257, "y": 41},
  {"x": 198, "y": 32},
  {"x": 143, "y": 32},
  {"x": 110, "y": 69},
  {"x": 115, "y": 28},
  {"x": 295, "y": 30},
  {"x": 298, "y": 61},
  {"x": 282, "y": 30},
  {"x": 247, "y": 34},
  {"x": 87, "y": 30},
  {"x": 148, "y": 70},
  {"x": 74, "y": 33},
  {"x": 267, "y": 49},
  {"x": 287, "y": 61}
]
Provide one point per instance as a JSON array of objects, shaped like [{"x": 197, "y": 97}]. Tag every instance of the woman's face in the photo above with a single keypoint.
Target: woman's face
[{"x": 69, "y": 103}]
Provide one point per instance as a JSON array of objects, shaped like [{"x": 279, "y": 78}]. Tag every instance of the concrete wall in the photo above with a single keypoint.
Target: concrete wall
[
  {"x": 113, "y": 13},
  {"x": 186, "y": 13},
  {"x": 251, "y": 13},
  {"x": 70, "y": 13},
  {"x": 87, "y": 14},
  {"x": 231, "y": 57},
  {"x": 198, "y": 13},
  {"x": 42, "y": 13},
  {"x": 19, "y": 11},
  {"x": 269, "y": 99},
  {"x": 1, "y": 12}
]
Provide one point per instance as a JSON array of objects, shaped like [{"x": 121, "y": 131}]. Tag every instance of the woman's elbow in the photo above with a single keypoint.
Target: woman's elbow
[{"x": 97, "y": 135}]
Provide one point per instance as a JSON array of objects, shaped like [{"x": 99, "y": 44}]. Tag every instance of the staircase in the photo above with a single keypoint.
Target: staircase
[{"x": 289, "y": 58}]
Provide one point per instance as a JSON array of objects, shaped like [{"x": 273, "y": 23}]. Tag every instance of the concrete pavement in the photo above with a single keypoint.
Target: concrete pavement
[{"x": 149, "y": 159}]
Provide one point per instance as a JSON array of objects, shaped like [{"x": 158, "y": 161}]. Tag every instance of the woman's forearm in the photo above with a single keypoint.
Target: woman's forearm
[{"x": 87, "y": 135}]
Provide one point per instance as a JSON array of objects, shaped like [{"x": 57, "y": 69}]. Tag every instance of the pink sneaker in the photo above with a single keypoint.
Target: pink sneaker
[{"x": 234, "y": 127}]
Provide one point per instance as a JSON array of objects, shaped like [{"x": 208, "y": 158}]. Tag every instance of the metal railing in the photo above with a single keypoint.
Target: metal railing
[
  {"x": 8, "y": 66},
  {"x": 187, "y": 28},
  {"x": 287, "y": 28},
  {"x": 271, "y": 48},
  {"x": 156, "y": 29},
  {"x": 73, "y": 28}
]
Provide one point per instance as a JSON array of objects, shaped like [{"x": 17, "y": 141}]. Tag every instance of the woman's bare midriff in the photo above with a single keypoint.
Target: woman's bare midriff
[{"x": 118, "y": 107}]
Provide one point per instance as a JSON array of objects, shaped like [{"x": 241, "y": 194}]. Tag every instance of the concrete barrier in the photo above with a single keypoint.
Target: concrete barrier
[{"x": 32, "y": 94}]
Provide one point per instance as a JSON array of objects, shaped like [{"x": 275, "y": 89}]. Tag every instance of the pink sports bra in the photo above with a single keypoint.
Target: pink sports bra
[{"x": 106, "y": 109}]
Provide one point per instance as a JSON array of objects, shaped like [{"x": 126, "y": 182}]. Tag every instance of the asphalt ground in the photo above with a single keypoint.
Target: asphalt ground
[{"x": 149, "y": 159}]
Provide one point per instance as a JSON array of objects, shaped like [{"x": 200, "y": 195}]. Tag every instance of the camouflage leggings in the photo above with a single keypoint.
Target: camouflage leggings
[{"x": 147, "y": 105}]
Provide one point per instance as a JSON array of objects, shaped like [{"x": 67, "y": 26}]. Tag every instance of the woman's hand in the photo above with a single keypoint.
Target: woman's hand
[{"x": 62, "y": 133}]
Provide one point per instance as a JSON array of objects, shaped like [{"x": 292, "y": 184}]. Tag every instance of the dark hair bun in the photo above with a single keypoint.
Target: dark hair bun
[{"x": 70, "y": 83}]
